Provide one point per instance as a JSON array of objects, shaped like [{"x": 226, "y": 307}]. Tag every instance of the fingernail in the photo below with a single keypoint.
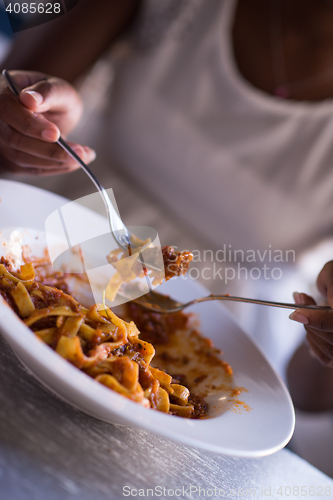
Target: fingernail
[
  {"x": 36, "y": 95},
  {"x": 91, "y": 152},
  {"x": 49, "y": 134},
  {"x": 297, "y": 298},
  {"x": 296, "y": 316}
]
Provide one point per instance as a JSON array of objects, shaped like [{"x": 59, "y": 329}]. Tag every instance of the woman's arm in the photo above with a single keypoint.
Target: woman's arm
[
  {"x": 310, "y": 383},
  {"x": 310, "y": 371},
  {"x": 67, "y": 46}
]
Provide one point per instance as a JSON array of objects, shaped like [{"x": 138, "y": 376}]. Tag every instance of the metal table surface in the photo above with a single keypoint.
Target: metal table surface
[{"x": 49, "y": 450}]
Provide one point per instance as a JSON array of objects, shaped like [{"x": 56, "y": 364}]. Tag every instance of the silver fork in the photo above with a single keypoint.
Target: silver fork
[
  {"x": 163, "y": 304},
  {"x": 118, "y": 229}
]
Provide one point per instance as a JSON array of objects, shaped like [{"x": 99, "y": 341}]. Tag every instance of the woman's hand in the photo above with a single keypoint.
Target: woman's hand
[
  {"x": 30, "y": 128},
  {"x": 318, "y": 324}
]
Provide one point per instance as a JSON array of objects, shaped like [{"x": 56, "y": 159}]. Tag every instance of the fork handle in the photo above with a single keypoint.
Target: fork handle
[{"x": 284, "y": 305}]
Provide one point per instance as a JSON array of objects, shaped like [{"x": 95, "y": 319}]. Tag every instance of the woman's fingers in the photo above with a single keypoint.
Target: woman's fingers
[
  {"x": 51, "y": 94},
  {"x": 20, "y": 142},
  {"x": 61, "y": 160},
  {"x": 26, "y": 160},
  {"x": 27, "y": 78},
  {"x": 42, "y": 171},
  {"x": 54, "y": 97},
  {"x": 51, "y": 151},
  {"x": 318, "y": 324},
  {"x": 297, "y": 315},
  {"x": 322, "y": 320},
  {"x": 318, "y": 352},
  {"x": 46, "y": 107},
  {"x": 319, "y": 328},
  {"x": 319, "y": 320},
  {"x": 25, "y": 121},
  {"x": 303, "y": 298},
  {"x": 325, "y": 282},
  {"x": 325, "y": 347},
  {"x": 31, "y": 125}
]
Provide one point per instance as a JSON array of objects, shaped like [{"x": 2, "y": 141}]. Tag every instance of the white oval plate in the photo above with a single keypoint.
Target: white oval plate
[{"x": 263, "y": 430}]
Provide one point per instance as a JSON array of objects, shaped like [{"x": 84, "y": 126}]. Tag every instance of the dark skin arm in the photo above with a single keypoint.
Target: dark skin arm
[
  {"x": 310, "y": 383},
  {"x": 65, "y": 47},
  {"x": 69, "y": 45},
  {"x": 310, "y": 371}
]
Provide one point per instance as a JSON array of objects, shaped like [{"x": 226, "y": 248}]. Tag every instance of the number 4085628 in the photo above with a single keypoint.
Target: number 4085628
[
  {"x": 302, "y": 491},
  {"x": 33, "y": 8}
]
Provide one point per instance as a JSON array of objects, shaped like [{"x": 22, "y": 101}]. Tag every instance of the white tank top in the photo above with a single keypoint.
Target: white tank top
[{"x": 241, "y": 167}]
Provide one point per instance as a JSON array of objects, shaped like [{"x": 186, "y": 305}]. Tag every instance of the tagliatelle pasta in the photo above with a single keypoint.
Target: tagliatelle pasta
[
  {"x": 96, "y": 341},
  {"x": 128, "y": 265}
]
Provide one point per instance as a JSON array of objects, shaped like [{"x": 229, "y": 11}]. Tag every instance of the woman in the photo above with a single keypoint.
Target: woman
[{"x": 220, "y": 109}]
